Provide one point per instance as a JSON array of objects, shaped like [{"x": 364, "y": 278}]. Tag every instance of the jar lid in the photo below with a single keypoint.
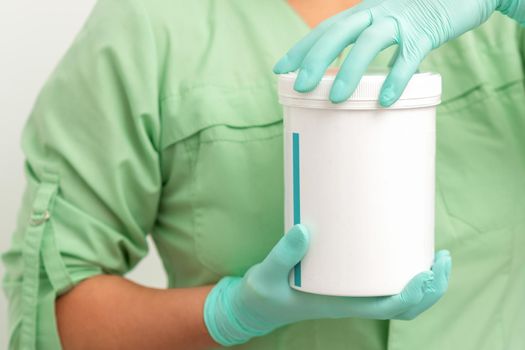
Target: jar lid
[{"x": 423, "y": 90}]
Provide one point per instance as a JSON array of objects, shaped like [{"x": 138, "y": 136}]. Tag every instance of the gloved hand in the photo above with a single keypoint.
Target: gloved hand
[
  {"x": 417, "y": 26},
  {"x": 238, "y": 309}
]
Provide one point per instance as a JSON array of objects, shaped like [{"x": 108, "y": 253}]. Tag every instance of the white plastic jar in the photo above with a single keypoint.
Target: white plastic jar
[{"x": 361, "y": 178}]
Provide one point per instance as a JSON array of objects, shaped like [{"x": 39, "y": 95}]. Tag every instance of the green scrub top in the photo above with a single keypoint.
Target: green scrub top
[{"x": 163, "y": 119}]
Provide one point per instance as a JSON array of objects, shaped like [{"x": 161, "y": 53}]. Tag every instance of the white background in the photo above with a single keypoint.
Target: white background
[{"x": 33, "y": 37}]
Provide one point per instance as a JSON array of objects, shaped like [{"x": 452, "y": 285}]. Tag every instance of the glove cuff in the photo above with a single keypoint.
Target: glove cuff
[
  {"x": 515, "y": 9},
  {"x": 219, "y": 316}
]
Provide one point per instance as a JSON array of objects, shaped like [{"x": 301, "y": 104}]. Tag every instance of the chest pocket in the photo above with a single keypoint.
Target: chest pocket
[
  {"x": 232, "y": 141},
  {"x": 480, "y": 130}
]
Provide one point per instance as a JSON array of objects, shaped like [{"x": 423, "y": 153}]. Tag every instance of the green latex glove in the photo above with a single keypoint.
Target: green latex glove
[
  {"x": 417, "y": 26},
  {"x": 238, "y": 309}
]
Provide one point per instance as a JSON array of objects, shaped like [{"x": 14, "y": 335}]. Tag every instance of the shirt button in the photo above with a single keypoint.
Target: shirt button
[{"x": 39, "y": 218}]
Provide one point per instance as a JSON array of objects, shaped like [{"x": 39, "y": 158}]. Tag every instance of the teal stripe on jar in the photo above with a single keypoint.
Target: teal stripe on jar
[{"x": 296, "y": 199}]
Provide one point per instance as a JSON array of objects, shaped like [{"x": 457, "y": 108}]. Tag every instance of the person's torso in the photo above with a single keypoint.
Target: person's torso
[{"x": 222, "y": 203}]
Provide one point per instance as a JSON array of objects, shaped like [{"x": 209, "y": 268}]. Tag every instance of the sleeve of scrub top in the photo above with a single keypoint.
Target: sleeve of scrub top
[{"x": 92, "y": 169}]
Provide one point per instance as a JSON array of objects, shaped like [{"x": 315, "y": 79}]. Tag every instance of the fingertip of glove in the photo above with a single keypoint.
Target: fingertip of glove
[
  {"x": 442, "y": 253},
  {"x": 388, "y": 96},
  {"x": 338, "y": 93},
  {"x": 299, "y": 235},
  {"x": 307, "y": 79},
  {"x": 282, "y": 66},
  {"x": 444, "y": 260}
]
